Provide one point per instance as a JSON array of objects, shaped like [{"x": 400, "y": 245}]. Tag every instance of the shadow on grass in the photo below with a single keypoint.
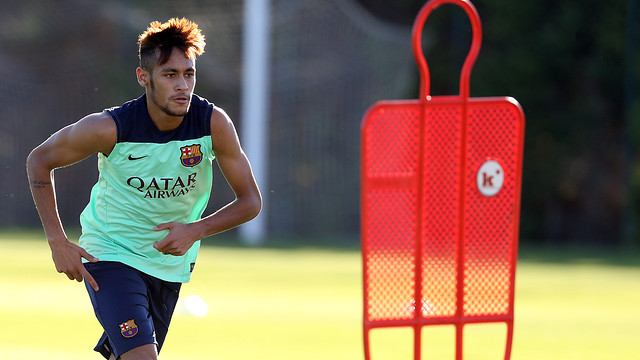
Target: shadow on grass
[
  {"x": 529, "y": 251},
  {"x": 582, "y": 254},
  {"x": 229, "y": 239},
  {"x": 326, "y": 243}
]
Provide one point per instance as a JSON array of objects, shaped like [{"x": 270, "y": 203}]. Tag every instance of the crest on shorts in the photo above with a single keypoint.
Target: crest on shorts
[
  {"x": 190, "y": 155},
  {"x": 128, "y": 328}
]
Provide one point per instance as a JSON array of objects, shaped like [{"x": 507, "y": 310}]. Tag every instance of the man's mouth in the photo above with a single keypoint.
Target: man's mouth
[{"x": 180, "y": 99}]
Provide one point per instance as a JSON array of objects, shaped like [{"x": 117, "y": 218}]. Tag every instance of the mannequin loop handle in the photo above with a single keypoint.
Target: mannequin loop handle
[{"x": 418, "y": 25}]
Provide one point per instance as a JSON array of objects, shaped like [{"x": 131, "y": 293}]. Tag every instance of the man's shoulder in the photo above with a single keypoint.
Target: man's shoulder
[
  {"x": 200, "y": 112},
  {"x": 100, "y": 128},
  {"x": 126, "y": 116},
  {"x": 201, "y": 107},
  {"x": 100, "y": 120}
]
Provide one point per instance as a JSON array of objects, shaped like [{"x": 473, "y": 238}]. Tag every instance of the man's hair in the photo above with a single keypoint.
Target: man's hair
[{"x": 157, "y": 42}]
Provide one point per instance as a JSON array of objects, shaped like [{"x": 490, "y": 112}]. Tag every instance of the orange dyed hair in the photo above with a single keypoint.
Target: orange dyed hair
[{"x": 157, "y": 42}]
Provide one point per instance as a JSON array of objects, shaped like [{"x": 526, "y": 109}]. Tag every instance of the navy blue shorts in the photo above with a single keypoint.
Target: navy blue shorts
[{"x": 133, "y": 308}]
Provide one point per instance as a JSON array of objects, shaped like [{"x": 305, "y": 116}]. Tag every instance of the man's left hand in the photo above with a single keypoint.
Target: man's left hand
[{"x": 177, "y": 242}]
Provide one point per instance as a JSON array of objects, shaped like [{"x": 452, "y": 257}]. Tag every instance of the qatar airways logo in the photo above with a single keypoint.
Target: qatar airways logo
[{"x": 164, "y": 187}]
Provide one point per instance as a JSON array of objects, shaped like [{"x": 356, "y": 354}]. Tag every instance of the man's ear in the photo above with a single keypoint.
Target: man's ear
[{"x": 143, "y": 76}]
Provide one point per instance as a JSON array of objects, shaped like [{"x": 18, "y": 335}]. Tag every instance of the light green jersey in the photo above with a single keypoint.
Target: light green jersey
[{"x": 150, "y": 177}]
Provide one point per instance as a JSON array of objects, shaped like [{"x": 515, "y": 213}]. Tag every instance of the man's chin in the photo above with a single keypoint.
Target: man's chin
[{"x": 176, "y": 112}]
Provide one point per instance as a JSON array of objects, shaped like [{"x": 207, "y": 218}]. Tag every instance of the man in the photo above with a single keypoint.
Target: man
[{"x": 142, "y": 227}]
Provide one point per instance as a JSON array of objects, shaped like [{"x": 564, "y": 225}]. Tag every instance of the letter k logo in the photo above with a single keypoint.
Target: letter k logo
[
  {"x": 490, "y": 178},
  {"x": 487, "y": 181}
]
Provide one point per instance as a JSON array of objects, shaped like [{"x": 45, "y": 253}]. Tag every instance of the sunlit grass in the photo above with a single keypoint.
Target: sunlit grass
[{"x": 306, "y": 303}]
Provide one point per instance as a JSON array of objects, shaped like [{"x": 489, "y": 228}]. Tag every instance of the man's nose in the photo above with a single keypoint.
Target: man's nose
[{"x": 182, "y": 83}]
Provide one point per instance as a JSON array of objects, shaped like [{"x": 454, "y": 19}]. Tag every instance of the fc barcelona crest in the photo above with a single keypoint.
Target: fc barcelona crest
[
  {"x": 128, "y": 328},
  {"x": 190, "y": 155}
]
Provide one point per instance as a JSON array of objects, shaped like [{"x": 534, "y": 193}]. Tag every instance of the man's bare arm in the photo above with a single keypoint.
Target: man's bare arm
[
  {"x": 237, "y": 171},
  {"x": 94, "y": 133}
]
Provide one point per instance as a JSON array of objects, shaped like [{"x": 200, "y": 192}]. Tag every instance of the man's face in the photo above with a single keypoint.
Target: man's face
[{"x": 171, "y": 84}]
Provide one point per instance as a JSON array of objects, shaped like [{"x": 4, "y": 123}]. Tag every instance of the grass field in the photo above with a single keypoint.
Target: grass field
[{"x": 291, "y": 303}]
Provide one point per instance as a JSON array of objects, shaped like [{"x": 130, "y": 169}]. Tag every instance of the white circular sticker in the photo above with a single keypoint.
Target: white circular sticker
[{"x": 490, "y": 178}]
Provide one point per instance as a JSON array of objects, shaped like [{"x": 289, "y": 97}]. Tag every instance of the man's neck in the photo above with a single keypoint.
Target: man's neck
[{"x": 162, "y": 120}]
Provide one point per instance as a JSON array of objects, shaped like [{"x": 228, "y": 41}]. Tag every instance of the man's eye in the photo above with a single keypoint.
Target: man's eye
[{"x": 169, "y": 75}]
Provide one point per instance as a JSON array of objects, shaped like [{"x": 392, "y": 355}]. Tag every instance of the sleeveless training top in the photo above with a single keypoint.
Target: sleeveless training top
[{"x": 150, "y": 177}]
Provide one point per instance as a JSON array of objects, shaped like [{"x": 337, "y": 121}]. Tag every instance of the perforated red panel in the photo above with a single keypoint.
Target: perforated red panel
[
  {"x": 441, "y": 182},
  {"x": 490, "y": 224},
  {"x": 391, "y": 168},
  {"x": 440, "y": 205},
  {"x": 391, "y": 206},
  {"x": 409, "y": 148}
]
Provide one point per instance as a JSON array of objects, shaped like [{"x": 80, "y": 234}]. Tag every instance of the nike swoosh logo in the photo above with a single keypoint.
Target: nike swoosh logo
[{"x": 136, "y": 158}]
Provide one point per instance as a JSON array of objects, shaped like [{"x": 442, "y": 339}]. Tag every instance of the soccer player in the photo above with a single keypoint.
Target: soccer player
[{"x": 142, "y": 227}]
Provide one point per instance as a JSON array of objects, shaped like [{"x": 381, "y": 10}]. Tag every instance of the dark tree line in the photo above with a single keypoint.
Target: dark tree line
[{"x": 574, "y": 66}]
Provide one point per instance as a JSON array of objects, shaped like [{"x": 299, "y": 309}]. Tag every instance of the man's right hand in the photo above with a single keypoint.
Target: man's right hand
[
  {"x": 91, "y": 134},
  {"x": 67, "y": 257}
]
